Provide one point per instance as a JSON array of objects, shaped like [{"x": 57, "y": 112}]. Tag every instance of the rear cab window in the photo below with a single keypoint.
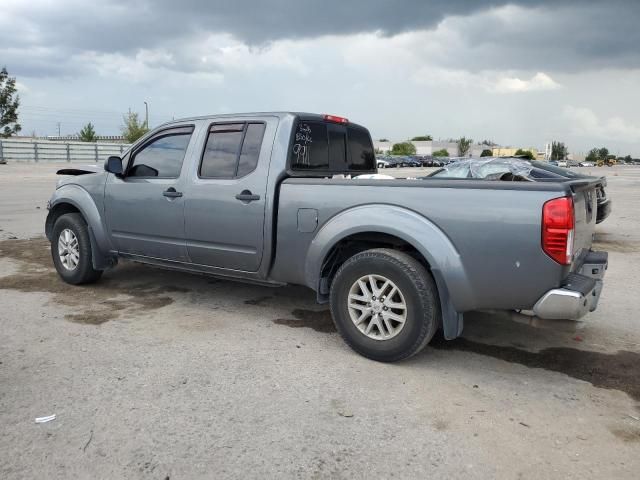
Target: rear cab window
[{"x": 326, "y": 148}]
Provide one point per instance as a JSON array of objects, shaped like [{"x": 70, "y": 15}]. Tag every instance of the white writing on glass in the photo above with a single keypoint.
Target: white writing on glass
[{"x": 301, "y": 147}]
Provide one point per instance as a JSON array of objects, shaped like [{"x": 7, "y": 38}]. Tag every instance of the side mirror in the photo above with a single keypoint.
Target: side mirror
[{"x": 113, "y": 165}]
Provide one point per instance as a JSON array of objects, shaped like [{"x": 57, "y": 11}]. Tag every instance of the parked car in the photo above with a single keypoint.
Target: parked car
[
  {"x": 586, "y": 164},
  {"x": 516, "y": 168},
  {"x": 383, "y": 163},
  {"x": 411, "y": 162},
  {"x": 394, "y": 162},
  {"x": 265, "y": 198}
]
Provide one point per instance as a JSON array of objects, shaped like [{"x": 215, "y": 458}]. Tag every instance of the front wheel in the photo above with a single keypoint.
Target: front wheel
[
  {"x": 71, "y": 250},
  {"x": 385, "y": 304}
]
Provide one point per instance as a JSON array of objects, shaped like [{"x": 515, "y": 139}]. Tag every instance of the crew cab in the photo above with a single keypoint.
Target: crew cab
[{"x": 293, "y": 198}]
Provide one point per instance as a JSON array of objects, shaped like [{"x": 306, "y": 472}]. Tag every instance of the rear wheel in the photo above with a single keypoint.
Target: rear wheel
[
  {"x": 71, "y": 250},
  {"x": 385, "y": 304}
]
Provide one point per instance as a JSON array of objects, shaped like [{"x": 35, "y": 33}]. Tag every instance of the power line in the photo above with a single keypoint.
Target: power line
[{"x": 71, "y": 110}]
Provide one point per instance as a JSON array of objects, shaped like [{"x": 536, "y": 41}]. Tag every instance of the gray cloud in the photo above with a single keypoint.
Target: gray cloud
[
  {"x": 589, "y": 28},
  {"x": 562, "y": 35},
  {"x": 566, "y": 38},
  {"x": 447, "y": 67}
]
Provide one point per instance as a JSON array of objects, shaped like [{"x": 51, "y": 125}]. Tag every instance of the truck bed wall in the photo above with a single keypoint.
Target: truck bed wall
[{"x": 496, "y": 232}]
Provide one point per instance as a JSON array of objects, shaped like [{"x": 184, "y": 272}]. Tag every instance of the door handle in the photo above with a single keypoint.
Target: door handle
[
  {"x": 246, "y": 196},
  {"x": 171, "y": 193}
]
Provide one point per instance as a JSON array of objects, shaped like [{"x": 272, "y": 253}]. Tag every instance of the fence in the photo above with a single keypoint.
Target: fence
[{"x": 48, "y": 151}]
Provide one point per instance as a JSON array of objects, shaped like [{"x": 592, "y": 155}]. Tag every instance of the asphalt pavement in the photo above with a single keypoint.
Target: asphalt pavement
[{"x": 157, "y": 374}]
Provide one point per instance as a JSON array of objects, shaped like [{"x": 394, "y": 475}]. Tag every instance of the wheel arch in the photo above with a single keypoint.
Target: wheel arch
[
  {"x": 375, "y": 226},
  {"x": 74, "y": 199}
]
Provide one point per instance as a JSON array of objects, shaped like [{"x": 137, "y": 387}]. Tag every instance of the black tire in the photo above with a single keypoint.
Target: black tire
[
  {"x": 420, "y": 293},
  {"x": 83, "y": 271}
]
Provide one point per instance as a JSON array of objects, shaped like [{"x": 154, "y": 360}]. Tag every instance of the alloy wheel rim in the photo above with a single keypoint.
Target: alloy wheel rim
[
  {"x": 68, "y": 249},
  {"x": 377, "y": 307}
]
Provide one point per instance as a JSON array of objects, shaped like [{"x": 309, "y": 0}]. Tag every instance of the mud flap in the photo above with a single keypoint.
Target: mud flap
[
  {"x": 99, "y": 259},
  {"x": 452, "y": 320}
]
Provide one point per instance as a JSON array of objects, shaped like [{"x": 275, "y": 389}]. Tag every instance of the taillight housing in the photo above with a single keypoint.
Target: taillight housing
[
  {"x": 336, "y": 119},
  {"x": 558, "y": 225}
]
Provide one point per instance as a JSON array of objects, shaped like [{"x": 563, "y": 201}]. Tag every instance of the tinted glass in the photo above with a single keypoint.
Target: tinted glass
[
  {"x": 309, "y": 149},
  {"x": 557, "y": 170},
  {"x": 337, "y": 149},
  {"x": 361, "y": 149},
  {"x": 161, "y": 158},
  {"x": 250, "y": 149},
  {"x": 221, "y": 154}
]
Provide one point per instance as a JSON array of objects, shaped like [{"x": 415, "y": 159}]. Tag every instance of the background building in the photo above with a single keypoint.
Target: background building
[
  {"x": 511, "y": 151},
  {"x": 428, "y": 147}
]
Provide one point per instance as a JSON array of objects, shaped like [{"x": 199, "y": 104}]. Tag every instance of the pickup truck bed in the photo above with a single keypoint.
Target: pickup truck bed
[{"x": 278, "y": 215}]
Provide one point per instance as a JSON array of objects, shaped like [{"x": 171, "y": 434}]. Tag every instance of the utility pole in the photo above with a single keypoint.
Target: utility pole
[
  {"x": 146, "y": 115},
  {"x": 58, "y": 128}
]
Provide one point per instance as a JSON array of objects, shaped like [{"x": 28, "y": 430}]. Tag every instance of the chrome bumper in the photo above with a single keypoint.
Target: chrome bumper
[{"x": 580, "y": 293}]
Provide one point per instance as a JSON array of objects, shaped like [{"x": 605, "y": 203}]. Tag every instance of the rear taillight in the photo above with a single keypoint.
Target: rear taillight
[
  {"x": 557, "y": 229},
  {"x": 336, "y": 119}
]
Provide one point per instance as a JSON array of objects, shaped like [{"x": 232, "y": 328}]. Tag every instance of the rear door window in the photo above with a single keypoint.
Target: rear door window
[
  {"x": 232, "y": 150},
  {"x": 250, "y": 149}
]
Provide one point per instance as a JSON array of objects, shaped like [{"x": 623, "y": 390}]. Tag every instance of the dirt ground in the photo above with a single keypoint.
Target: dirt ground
[{"x": 157, "y": 374}]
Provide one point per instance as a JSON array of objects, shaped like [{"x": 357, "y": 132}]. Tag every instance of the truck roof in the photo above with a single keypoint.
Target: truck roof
[{"x": 303, "y": 115}]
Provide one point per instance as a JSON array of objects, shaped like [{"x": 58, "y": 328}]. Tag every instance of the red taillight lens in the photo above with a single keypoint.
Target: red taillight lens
[
  {"x": 557, "y": 229},
  {"x": 336, "y": 119}
]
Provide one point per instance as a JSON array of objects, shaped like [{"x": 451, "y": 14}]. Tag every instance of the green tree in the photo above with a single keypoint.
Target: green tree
[
  {"x": 603, "y": 153},
  {"x": 486, "y": 153},
  {"x": 422, "y": 138},
  {"x": 558, "y": 151},
  {"x": 489, "y": 143},
  {"x": 88, "y": 133},
  {"x": 9, "y": 103},
  {"x": 403, "y": 148},
  {"x": 528, "y": 154},
  {"x": 464, "y": 145},
  {"x": 593, "y": 156},
  {"x": 443, "y": 152},
  {"x": 383, "y": 140},
  {"x": 133, "y": 128}
]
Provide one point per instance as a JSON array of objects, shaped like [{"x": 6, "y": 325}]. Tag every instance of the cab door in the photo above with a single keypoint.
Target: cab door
[
  {"x": 225, "y": 206},
  {"x": 145, "y": 208}
]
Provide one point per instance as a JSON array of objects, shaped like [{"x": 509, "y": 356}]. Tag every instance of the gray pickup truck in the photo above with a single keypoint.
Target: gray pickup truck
[{"x": 289, "y": 198}]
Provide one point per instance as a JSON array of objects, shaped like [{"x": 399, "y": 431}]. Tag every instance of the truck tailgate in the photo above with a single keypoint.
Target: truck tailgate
[{"x": 585, "y": 211}]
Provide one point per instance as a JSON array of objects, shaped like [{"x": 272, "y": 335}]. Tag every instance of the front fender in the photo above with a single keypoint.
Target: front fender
[
  {"x": 79, "y": 198},
  {"x": 456, "y": 294}
]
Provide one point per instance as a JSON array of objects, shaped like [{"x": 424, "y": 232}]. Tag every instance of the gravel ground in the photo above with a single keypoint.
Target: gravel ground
[{"x": 155, "y": 374}]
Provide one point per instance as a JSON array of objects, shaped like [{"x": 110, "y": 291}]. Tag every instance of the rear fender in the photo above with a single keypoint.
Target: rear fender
[{"x": 454, "y": 290}]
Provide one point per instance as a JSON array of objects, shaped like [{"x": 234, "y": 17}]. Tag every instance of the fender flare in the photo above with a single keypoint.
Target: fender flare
[
  {"x": 454, "y": 289},
  {"x": 79, "y": 198}
]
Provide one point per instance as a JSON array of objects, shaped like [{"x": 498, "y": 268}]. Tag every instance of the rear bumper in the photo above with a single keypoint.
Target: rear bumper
[{"x": 578, "y": 295}]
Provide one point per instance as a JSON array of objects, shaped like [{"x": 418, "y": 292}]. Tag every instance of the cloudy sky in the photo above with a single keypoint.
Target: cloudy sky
[{"x": 519, "y": 73}]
